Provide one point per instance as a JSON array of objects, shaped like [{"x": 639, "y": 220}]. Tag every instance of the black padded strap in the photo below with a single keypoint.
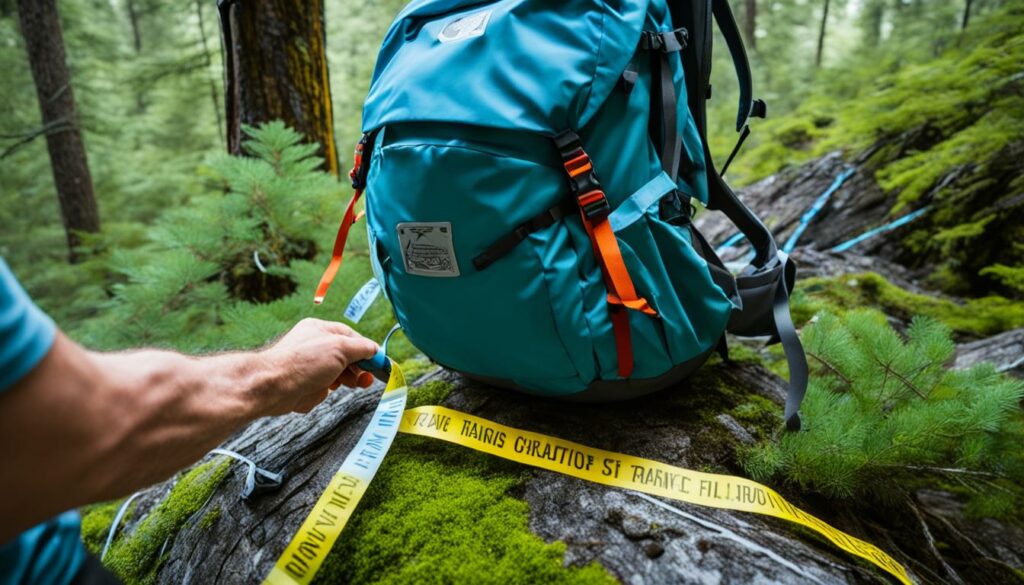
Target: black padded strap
[
  {"x": 764, "y": 312},
  {"x": 670, "y": 145},
  {"x": 731, "y": 32},
  {"x": 509, "y": 241},
  {"x": 664, "y": 120},
  {"x": 791, "y": 346},
  {"x": 722, "y": 197}
]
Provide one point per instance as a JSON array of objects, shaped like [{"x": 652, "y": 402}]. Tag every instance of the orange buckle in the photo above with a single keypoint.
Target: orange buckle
[
  {"x": 594, "y": 205},
  {"x": 578, "y": 165}
]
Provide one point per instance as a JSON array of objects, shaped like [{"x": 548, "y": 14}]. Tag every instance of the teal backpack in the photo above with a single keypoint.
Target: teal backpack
[{"x": 529, "y": 167}]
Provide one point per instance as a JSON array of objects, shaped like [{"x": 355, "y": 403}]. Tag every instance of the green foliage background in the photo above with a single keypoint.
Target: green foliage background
[{"x": 935, "y": 112}]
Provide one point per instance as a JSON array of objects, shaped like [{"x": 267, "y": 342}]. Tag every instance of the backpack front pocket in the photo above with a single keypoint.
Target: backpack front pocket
[{"x": 519, "y": 319}]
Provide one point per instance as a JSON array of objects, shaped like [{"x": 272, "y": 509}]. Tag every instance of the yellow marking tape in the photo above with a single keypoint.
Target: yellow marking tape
[
  {"x": 302, "y": 558},
  {"x": 314, "y": 539},
  {"x": 628, "y": 472}
]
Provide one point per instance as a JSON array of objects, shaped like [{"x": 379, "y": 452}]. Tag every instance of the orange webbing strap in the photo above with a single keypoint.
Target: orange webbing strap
[
  {"x": 339, "y": 248},
  {"x": 620, "y": 285},
  {"x": 594, "y": 210},
  {"x": 358, "y": 175},
  {"x": 621, "y": 294}
]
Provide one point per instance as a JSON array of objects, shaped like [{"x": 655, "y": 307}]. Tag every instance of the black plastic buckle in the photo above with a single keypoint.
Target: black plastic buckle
[
  {"x": 596, "y": 210},
  {"x": 361, "y": 169},
  {"x": 669, "y": 42},
  {"x": 758, "y": 109},
  {"x": 570, "y": 148}
]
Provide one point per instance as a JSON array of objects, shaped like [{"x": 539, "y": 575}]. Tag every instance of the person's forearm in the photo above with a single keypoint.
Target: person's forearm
[
  {"x": 175, "y": 409},
  {"x": 85, "y": 427},
  {"x": 117, "y": 423}
]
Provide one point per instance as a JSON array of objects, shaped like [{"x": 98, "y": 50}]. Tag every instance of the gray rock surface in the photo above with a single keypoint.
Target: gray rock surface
[
  {"x": 781, "y": 199},
  {"x": 1005, "y": 351},
  {"x": 638, "y": 539}
]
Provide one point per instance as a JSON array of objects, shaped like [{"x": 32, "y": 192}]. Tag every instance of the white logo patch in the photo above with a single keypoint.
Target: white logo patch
[
  {"x": 465, "y": 27},
  {"x": 427, "y": 248}
]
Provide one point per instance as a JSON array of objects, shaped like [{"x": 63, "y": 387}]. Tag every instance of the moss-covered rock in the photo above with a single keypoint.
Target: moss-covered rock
[
  {"x": 136, "y": 557},
  {"x": 972, "y": 318},
  {"x": 438, "y": 513},
  {"x": 945, "y": 133}
]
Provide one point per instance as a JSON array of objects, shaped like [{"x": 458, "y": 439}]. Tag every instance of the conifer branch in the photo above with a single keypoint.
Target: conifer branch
[
  {"x": 953, "y": 575},
  {"x": 831, "y": 368},
  {"x": 955, "y": 470},
  {"x": 888, "y": 370}
]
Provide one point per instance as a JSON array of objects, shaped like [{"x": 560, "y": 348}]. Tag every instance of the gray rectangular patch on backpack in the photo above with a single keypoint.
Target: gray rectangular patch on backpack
[{"x": 427, "y": 248}]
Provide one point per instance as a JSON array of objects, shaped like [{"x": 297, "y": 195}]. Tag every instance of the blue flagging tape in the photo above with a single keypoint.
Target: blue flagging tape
[
  {"x": 880, "y": 229},
  {"x": 816, "y": 207},
  {"x": 732, "y": 241}
]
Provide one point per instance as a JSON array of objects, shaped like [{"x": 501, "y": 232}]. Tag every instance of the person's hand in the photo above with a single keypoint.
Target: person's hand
[{"x": 312, "y": 359}]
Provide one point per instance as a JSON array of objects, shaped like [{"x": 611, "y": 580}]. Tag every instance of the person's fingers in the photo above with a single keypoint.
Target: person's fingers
[
  {"x": 356, "y": 348},
  {"x": 337, "y": 328},
  {"x": 349, "y": 377}
]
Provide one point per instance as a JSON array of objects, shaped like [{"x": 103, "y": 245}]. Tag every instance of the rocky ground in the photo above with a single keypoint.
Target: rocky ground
[{"x": 222, "y": 538}]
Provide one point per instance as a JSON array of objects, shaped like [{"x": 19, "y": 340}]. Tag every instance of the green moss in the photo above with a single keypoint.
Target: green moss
[
  {"x": 433, "y": 392},
  {"x": 759, "y": 415},
  {"x": 417, "y": 366},
  {"x": 96, "y": 521},
  {"x": 439, "y": 513},
  {"x": 742, "y": 353},
  {"x": 945, "y": 131},
  {"x": 976, "y": 317},
  {"x": 1010, "y": 276},
  {"x": 135, "y": 558},
  {"x": 210, "y": 518}
]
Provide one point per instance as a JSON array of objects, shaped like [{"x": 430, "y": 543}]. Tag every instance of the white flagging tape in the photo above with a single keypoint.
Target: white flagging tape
[{"x": 117, "y": 522}]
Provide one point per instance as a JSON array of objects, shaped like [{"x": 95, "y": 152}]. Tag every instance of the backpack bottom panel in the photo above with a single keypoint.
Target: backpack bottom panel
[{"x": 609, "y": 390}]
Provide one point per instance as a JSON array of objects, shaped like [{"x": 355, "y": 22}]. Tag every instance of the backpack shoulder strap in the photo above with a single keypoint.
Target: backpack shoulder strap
[
  {"x": 765, "y": 285},
  {"x": 748, "y": 107}
]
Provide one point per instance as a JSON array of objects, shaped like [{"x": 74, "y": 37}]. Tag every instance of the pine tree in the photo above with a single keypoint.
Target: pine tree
[
  {"x": 881, "y": 409},
  {"x": 234, "y": 245}
]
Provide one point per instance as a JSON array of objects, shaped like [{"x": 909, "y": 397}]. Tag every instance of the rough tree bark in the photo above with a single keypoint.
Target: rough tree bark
[
  {"x": 750, "y": 22},
  {"x": 276, "y": 68},
  {"x": 821, "y": 35},
  {"x": 44, "y": 43},
  {"x": 635, "y": 539}
]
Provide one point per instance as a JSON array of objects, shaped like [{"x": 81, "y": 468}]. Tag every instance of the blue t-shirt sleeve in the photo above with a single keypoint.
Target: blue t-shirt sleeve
[
  {"x": 26, "y": 333},
  {"x": 52, "y": 552}
]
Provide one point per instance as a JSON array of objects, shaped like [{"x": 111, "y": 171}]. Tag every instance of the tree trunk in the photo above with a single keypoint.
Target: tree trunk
[
  {"x": 750, "y": 22},
  {"x": 967, "y": 14},
  {"x": 214, "y": 92},
  {"x": 133, "y": 20},
  {"x": 276, "y": 68},
  {"x": 821, "y": 36},
  {"x": 872, "y": 19},
  {"x": 44, "y": 43}
]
